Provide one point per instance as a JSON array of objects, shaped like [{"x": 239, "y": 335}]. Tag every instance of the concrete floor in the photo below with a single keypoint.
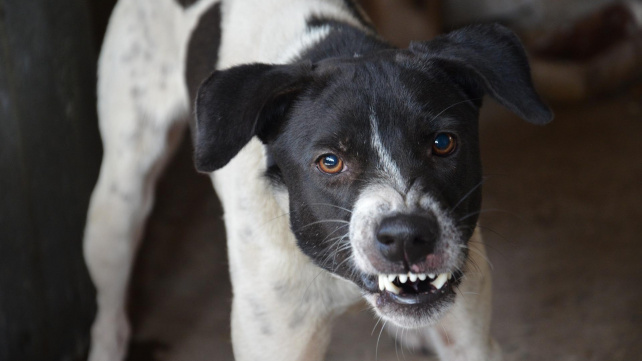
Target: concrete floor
[{"x": 562, "y": 222}]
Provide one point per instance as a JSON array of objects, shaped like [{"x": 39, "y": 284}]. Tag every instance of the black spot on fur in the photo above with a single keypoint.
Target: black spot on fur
[
  {"x": 260, "y": 315},
  {"x": 186, "y": 3}
]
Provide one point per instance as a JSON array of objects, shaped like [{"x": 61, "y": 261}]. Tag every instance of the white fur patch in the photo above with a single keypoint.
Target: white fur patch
[
  {"x": 381, "y": 200},
  {"x": 265, "y": 30},
  {"x": 312, "y": 36},
  {"x": 390, "y": 170}
]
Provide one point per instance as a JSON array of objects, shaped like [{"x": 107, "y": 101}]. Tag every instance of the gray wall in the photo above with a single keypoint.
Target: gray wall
[{"x": 524, "y": 13}]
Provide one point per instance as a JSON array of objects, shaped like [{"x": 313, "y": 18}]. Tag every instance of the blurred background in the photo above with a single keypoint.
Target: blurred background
[{"x": 562, "y": 215}]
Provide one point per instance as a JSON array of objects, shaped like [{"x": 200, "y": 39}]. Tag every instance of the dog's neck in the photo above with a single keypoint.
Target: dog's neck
[{"x": 333, "y": 39}]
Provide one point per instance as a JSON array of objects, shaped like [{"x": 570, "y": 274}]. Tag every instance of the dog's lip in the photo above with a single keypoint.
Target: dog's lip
[{"x": 417, "y": 300}]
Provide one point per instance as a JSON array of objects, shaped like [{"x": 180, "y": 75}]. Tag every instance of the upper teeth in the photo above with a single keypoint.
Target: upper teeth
[{"x": 385, "y": 281}]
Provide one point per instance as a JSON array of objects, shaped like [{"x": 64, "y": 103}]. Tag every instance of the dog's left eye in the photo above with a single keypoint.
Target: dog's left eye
[
  {"x": 444, "y": 144},
  {"x": 330, "y": 164}
]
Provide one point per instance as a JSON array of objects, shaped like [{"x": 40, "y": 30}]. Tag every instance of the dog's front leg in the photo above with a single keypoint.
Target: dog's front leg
[
  {"x": 463, "y": 334},
  {"x": 142, "y": 104},
  {"x": 283, "y": 306}
]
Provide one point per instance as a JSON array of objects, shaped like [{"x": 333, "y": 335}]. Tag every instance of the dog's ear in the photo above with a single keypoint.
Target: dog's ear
[
  {"x": 488, "y": 59},
  {"x": 234, "y": 105}
]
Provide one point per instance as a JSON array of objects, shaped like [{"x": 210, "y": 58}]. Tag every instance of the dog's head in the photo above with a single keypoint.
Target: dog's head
[{"x": 379, "y": 156}]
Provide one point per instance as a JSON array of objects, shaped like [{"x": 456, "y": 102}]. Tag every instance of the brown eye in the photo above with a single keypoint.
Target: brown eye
[
  {"x": 444, "y": 144},
  {"x": 330, "y": 164}
]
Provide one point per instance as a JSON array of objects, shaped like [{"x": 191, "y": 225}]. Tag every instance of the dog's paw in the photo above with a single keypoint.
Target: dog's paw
[{"x": 109, "y": 337}]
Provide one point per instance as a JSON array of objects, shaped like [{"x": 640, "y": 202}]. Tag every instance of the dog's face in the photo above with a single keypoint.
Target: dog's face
[
  {"x": 381, "y": 164},
  {"x": 379, "y": 156}
]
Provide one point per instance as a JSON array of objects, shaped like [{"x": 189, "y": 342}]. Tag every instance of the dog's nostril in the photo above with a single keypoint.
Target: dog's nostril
[
  {"x": 417, "y": 240},
  {"x": 386, "y": 240}
]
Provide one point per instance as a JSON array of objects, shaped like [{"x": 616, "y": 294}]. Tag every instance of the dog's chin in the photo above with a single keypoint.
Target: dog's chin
[{"x": 411, "y": 304}]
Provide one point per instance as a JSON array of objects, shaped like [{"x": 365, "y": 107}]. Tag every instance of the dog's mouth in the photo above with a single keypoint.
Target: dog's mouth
[
  {"x": 412, "y": 289},
  {"x": 421, "y": 296}
]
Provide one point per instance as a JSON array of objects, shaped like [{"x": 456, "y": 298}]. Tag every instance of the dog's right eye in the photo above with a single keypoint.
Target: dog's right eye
[{"x": 330, "y": 164}]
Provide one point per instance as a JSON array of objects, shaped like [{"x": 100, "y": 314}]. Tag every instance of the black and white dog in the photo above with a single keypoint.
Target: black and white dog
[{"x": 346, "y": 168}]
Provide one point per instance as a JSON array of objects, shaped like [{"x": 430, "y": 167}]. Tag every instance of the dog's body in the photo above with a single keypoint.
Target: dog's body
[{"x": 294, "y": 265}]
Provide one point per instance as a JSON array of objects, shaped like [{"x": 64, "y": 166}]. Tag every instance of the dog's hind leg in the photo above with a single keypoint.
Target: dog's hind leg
[{"x": 142, "y": 105}]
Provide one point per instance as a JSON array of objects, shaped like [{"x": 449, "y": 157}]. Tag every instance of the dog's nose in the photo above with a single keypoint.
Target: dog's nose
[{"x": 407, "y": 237}]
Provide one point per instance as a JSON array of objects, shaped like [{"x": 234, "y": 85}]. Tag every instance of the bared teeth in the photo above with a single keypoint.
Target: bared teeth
[
  {"x": 386, "y": 281},
  {"x": 440, "y": 280}
]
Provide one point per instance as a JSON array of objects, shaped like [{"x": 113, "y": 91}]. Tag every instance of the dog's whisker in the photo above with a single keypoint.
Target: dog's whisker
[
  {"x": 340, "y": 264},
  {"x": 331, "y": 205},
  {"x": 332, "y": 253},
  {"x": 494, "y": 232},
  {"x": 401, "y": 343},
  {"x": 274, "y": 219},
  {"x": 335, "y": 241},
  {"x": 375, "y": 326},
  {"x": 331, "y": 257},
  {"x": 468, "y": 194},
  {"x": 480, "y": 254},
  {"x": 335, "y": 266},
  {"x": 307, "y": 289},
  {"x": 379, "y": 338},
  {"x": 472, "y": 262},
  {"x": 322, "y": 221},
  {"x": 397, "y": 342},
  {"x": 482, "y": 211},
  {"x": 336, "y": 245},
  {"x": 333, "y": 232},
  {"x": 344, "y": 247},
  {"x": 446, "y": 334},
  {"x": 469, "y": 100}
]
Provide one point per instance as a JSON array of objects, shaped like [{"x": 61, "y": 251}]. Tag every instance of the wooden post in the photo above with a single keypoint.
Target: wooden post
[{"x": 49, "y": 158}]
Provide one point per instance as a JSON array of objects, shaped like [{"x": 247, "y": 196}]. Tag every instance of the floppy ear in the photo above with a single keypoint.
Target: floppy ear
[
  {"x": 234, "y": 105},
  {"x": 488, "y": 59}
]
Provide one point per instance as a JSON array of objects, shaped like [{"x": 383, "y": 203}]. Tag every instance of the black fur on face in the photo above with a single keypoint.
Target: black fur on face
[
  {"x": 333, "y": 116},
  {"x": 380, "y": 115}
]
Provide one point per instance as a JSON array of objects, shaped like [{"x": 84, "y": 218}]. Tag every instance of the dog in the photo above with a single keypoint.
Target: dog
[{"x": 347, "y": 169}]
